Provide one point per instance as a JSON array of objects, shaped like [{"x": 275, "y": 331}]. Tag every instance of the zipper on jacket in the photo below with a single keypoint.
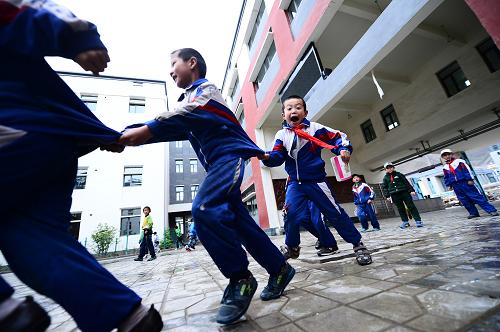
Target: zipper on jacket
[{"x": 297, "y": 157}]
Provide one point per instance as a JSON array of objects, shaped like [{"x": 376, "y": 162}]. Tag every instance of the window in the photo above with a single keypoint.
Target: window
[
  {"x": 390, "y": 118},
  {"x": 132, "y": 176},
  {"x": 179, "y": 193},
  {"x": 236, "y": 87},
  {"x": 81, "y": 178},
  {"x": 74, "y": 226},
  {"x": 258, "y": 20},
  {"x": 179, "y": 167},
  {"x": 137, "y": 105},
  {"x": 178, "y": 144},
  {"x": 291, "y": 11},
  {"x": 368, "y": 131},
  {"x": 490, "y": 53},
  {"x": 194, "y": 190},
  {"x": 453, "y": 79},
  {"x": 241, "y": 119},
  {"x": 265, "y": 65},
  {"x": 193, "y": 165},
  {"x": 90, "y": 101},
  {"x": 130, "y": 221}
]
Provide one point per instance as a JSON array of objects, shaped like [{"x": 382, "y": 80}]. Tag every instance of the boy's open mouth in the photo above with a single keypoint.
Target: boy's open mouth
[{"x": 294, "y": 118}]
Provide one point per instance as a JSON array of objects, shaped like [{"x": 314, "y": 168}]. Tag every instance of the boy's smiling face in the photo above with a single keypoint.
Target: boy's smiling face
[
  {"x": 182, "y": 71},
  {"x": 294, "y": 111}
]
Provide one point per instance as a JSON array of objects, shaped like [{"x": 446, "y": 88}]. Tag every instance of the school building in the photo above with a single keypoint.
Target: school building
[
  {"x": 402, "y": 78},
  {"x": 113, "y": 188}
]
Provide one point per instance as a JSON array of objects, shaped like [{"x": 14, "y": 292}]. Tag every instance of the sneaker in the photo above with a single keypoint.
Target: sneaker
[
  {"x": 493, "y": 214},
  {"x": 138, "y": 259},
  {"x": 289, "y": 252},
  {"x": 276, "y": 284},
  {"x": 472, "y": 216},
  {"x": 151, "y": 259},
  {"x": 325, "y": 251},
  {"x": 317, "y": 245},
  {"x": 363, "y": 230},
  {"x": 236, "y": 300},
  {"x": 28, "y": 316},
  {"x": 376, "y": 229},
  {"x": 404, "y": 225},
  {"x": 419, "y": 223}
]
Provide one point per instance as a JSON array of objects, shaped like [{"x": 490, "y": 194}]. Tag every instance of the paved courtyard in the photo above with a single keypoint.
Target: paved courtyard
[{"x": 444, "y": 277}]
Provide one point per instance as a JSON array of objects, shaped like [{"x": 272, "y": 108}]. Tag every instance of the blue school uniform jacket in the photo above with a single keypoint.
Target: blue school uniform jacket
[
  {"x": 362, "y": 193},
  {"x": 33, "y": 98},
  {"x": 456, "y": 171},
  {"x": 302, "y": 158},
  {"x": 204, "y": 119}
]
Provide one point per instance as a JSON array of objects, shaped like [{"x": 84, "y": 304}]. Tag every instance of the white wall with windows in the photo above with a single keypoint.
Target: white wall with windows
[{"x": 113, "y": 188}]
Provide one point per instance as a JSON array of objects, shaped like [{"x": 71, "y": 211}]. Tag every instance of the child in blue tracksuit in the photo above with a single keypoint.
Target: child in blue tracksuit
[
  {"x": 44, "y": 128},
  {"x": 363, "y": 198},
  {"x": 193, "y": 237},
  {"x": 457, "y": 176},
  {"x": 222, "y": 221},
  {"x": 299, "y": 145}
]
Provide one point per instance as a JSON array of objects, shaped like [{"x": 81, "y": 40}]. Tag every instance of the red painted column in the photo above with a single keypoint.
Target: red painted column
[{"x": 488, "y": 13}]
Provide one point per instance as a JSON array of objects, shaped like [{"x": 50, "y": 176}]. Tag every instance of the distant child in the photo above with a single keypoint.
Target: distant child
[
  {"x": 44, "y": 128},
  {"x": 178, "y": 237},
  {"x": 299, "y": 145},
  {"x": 156, "y": 242},
  {"x": 193, "y": 237},
  {"x": 222, "y": 221},
  {"x": 457, "y": 176},
  {"x": 363, "y": 199},
  {"x": 398, "y": 190},
  {"x": 147, "y": 241}
]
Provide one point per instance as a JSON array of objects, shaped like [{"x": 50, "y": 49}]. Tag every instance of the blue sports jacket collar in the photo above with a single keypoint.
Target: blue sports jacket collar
[{"x": 195, "y": 84}]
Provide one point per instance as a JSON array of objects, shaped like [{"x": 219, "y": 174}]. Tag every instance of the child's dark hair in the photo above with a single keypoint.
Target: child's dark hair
[
  {"x": 188, "y": 53},
  {"x": 293, "y": 97},
  {"x": 146, "y": 207}
]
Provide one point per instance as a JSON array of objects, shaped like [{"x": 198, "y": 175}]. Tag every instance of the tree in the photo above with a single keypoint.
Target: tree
[
  {"x": 102, "y": 237},
  {"x": 167, "y": 240}
]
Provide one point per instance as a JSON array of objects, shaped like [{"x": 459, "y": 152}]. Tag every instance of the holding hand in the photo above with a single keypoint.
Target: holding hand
[
  {"x": 136, "y": 136},
  {"x": 114, "y": 147},
  {"x": 369, "y": 201},
  {"x": 94, "y": 60},
  {"x": 264, "y": 156},
  {"x": 345, "y": 156},
  {"x": 413, "y": 193}
]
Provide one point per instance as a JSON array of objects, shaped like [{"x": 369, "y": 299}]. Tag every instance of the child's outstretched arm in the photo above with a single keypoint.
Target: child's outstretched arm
[
  {"x": 42, "y": 28},
  {"x": 277, "y": 156},
  {"x": 342, "y": 145}
]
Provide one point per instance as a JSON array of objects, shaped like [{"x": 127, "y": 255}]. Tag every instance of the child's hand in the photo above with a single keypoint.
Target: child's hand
[
  {"x": 94, "y": 60},
  {"x": 470, "y": 183},
  {"x": 369, "y": 201},
  {"x": 389, "y": 199},
  {"x": 345, "y": 156},
  {"x": 413, "y": 193},
  {"x": 136, "y": 136},
  {"x": 264, "y": 156},
  {"x": 114, "y": 147}
]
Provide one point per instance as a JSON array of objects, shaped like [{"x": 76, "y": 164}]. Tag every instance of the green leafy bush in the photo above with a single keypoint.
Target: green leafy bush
[{"x": 102, "y": 237}]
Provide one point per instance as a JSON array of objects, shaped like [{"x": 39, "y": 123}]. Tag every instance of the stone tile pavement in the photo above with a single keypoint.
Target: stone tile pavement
[{"x": 443, "y": 277}]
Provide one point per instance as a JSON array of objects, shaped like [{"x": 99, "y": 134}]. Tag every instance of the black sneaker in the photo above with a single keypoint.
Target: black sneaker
[
  {"x": 325, "y": 251},
  {"x": 151, "y": 259},
  {"x": 138, "y": 259},
  {"x": 290, "y": 252},
  {"x": 472, "y": 216},
  {"x": 277, "y": 284},
  {"x": 28, "y": 316},
  {"x": 493, "y": 214},
  {"x": 236, "y": 300}
]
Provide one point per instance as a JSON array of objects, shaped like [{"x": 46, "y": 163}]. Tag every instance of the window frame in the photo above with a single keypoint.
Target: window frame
[
  {"x": 179, "y": 166},
  {"x": 136, "y": 214},
  {"x": 193, "y": 163},
  {"x": 194, "y": 192},
  {"x": 390, "y": 111},
  {"x": 367, "y": 125},
  {"x": 292, "y": 9},
  {"x": 265, "y": 65},
  {"x": 256, "y": 24},
  {"x": 131, "y": 175},
  {"x": 484, "y": 48},
  {"x": 179, "y": 194},
  {"x": 135, "y": 104},
  {"x": 84, "y": 176},
  {"x": 90, "y": 100},
  {"x": 451, "y": 77}
]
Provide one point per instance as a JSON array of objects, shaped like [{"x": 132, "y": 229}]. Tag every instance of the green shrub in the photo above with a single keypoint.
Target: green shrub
[
  {"x": 167, "y": 240},
  {"x": 103, "y": 237}
]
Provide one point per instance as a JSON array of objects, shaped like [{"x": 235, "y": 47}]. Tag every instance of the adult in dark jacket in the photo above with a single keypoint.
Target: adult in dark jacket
[{"x": 398, "y": 190}]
